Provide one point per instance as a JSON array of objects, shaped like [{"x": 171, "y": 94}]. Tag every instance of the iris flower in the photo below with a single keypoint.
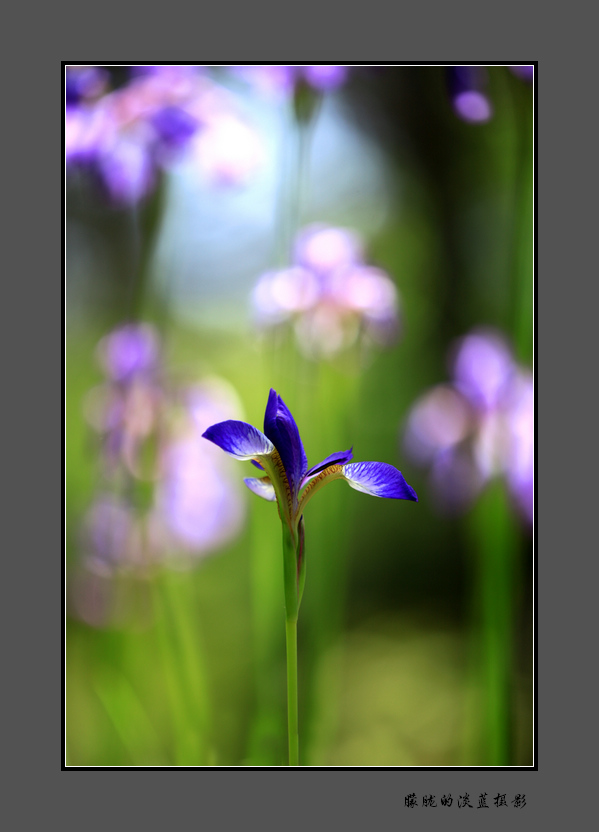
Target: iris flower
[{"x": 280, "y": 454}]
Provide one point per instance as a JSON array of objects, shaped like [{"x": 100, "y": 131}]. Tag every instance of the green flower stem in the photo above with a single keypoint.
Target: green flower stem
[
  {"x": 291, "y": 610},
  {"x": 292, "y": 721},
  {"x": 267, "y": 728},
  {"x": 290, "y": 574}
]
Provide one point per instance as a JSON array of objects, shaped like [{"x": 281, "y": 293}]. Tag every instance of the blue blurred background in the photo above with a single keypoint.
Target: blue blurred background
[{"x": 361, "y": 239}]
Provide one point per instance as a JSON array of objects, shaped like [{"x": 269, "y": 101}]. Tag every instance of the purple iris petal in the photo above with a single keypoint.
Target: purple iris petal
[
  {"x": 439, "y": 420},
  {"x": 467, "y": 92},
  {"x": 325, "y": 76},
  {"x": 129, "y": 350},
  {"x": 521, "y": 454},
  {"x": 86, "y": 129},
  {"x": 174, "y": 126},
  {"x": 340, "y": 458},
  {"x": 127, "y": 171},
  {"x": 280, "y": 294},
  {"x": 483, "y": 367},
  {"x": 524, "y": 71},
  {"x": 323, "y": 249},
  {"x": 379, "y": 479},
  {"x": 84, "y": 82},
  {"x": 239, "y": 439},
  {"x": 472, "y": 105},
  {"x": 195, "y": 501},
  {"x": 280, "y": 428},
  {"x": 262, "y": 488}
]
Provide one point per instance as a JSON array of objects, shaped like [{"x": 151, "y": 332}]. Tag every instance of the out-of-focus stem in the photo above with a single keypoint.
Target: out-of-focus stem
[
  {"x": 145, "y": 223},
  {"x": 495, "y": 544}
]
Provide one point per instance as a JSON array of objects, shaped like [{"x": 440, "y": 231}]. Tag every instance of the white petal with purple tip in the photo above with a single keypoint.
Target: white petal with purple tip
[{"x": 262, "y": 487}]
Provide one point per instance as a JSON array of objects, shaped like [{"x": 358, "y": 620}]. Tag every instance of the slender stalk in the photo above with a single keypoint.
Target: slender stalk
[
  {"x": 290, "y": 575},
  {"x": 145, "y": 222},
  {"x": 495, "y": 541},
  {"x": 266, "y": 741},
  {"x": 183, "y": 668},
  {"x": 292, "y": 720}
]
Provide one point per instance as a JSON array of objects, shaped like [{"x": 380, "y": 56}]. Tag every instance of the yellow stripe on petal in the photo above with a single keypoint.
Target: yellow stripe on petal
[{"x": 333, "y": 472}]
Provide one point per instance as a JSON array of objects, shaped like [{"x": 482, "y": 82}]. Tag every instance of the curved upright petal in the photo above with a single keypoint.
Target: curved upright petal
[
  {"x": 378, "y": 479},
  {"x": 239, "y": 439},
  {"x": 261, "y": 486},
  {"x": 340, "y": 458},
  {"x": 280, "y": 428}
]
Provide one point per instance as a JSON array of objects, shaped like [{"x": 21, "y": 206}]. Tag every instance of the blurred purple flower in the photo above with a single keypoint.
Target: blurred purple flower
[
  {"x": 520, "y": 460},
  {"x": 126, "y": 408},
  {"x": 329, "y": 294},
  {"x": 466, "y": 86},
  {"x": 129, "y": 350},
  {"x": 198, "y": 503},
  {"x": 127, "y": 170},
  {"x": 170, "y": 73},
  {"x": 281, "y": 79},
  {"x": 526, "y": 72},
  {"x": 324, "y": 76},
  {"x": 478, "y": 427},
  {"x": 84, "y": 83},
  {"x": 483, "y": 368},
  {"x": 112, "y": 535},
  {"x": 194, "y": 504},
  {"x": 174, "y": 126},
  {"x": 227, "y": 151},
  {"x": 163, "y": 114},
  {"x": 85, "y": 130},
  {"x": 112, "y": 541}
]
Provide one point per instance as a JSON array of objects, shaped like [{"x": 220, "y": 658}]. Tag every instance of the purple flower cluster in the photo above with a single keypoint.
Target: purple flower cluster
[
  {"x": 329, "y": 294},
  {"x": 124, "y": 138},
  {"x": 195, "y": 504},
  {"x": 281, "y": 79},
  {"x": 478, "y": 426}
]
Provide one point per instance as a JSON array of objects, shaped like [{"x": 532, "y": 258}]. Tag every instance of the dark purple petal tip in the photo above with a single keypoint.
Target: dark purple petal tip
[{"x": 340, "y": 458}]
